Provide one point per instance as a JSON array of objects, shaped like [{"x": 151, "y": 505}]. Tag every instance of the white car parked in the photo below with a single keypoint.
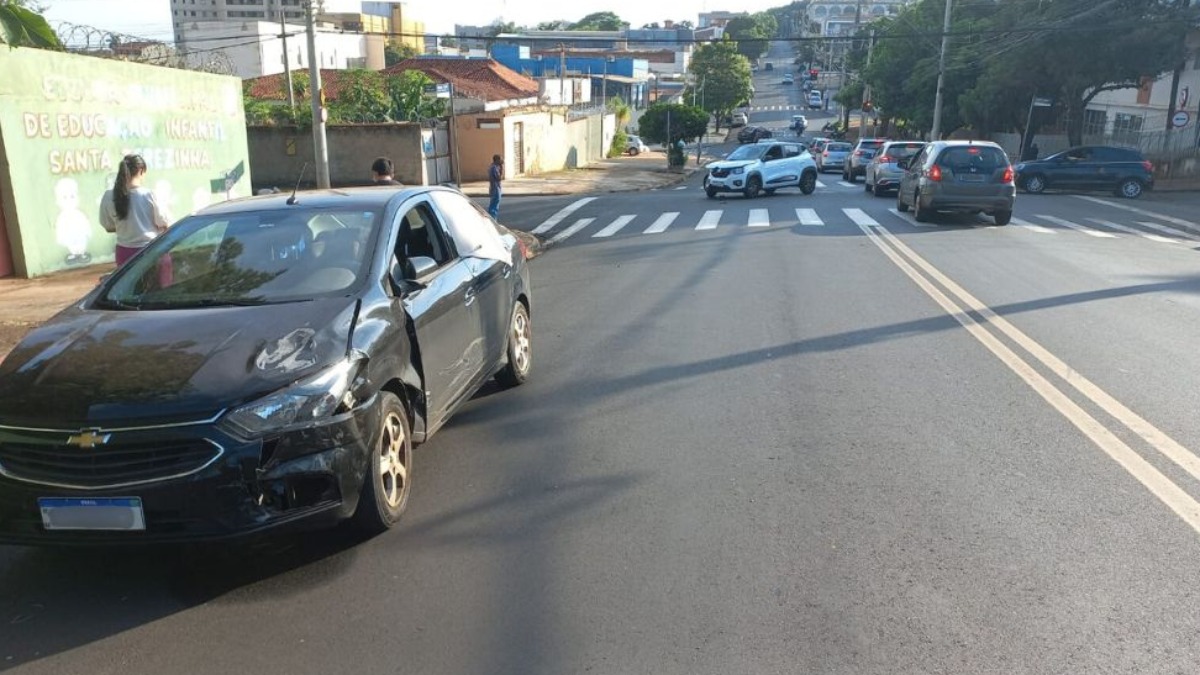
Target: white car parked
[{"x": 635, "y": 146}]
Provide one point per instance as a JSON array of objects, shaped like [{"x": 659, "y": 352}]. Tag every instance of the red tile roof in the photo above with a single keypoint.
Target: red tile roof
[
  {"x": 273, "y": 87},
  {"x": 485, "y": 79}
]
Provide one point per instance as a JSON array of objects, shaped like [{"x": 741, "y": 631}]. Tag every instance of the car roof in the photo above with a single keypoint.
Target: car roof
[
  {"x": 961, "y": 143},
  {"x": 351, "y": 197}
]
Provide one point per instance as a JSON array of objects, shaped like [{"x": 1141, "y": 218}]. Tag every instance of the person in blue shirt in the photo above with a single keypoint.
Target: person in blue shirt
[{"x": 495, "y": 175}]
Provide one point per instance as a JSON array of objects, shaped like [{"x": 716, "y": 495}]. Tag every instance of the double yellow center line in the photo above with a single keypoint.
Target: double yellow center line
[{"x": 924, "y": 275}]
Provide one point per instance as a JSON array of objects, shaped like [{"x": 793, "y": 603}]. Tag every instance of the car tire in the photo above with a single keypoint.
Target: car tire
[
  {"x": 900, "y": 205},
  {"x": 634, "y": 152},
  {"x": 388, "y": 481},
  {"x": 808, "y": 182},
  {"x": 1035, "y": 184},
  {"x": 753, "y": 185},
  {"x": 921, "y": 215},
  {"x": 1130, "y": 188},
  {"x": 1002, "y": 217},
  {"x": 867, "y": 187},
  {"x": 845, "y": 176},
  {"x": 769, "y": 191},
  {"x": 519, "y": 349},
  {"x": 712, "y": 194},
  {"x": 876, "y": 190}
]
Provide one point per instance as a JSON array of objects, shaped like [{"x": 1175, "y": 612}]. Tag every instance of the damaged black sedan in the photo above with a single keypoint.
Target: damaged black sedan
[{"x": 265, "y": 365}]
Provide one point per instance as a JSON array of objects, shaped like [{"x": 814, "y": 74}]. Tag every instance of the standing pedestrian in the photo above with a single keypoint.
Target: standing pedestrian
[
  {"x": 495, "y": 175},
  {"x": 131, "y": 212},
  {"x": 381, "y": 172}
]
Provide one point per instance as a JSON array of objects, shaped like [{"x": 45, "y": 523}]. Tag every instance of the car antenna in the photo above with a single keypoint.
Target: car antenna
[{"x": 292, "y": 200}]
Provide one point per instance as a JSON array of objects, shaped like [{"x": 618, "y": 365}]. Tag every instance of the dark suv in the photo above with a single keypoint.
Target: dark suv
[
  {"x": 1122, "y": 171},
  {"x": 753, "y": 134},
  {"x": 960, "y": 176}
]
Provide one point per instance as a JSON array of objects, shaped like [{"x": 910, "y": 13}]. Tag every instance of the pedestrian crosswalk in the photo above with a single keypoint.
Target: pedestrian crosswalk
[
  {"x": 557, "y": 229},
  {"x": 769, "y": 108}
]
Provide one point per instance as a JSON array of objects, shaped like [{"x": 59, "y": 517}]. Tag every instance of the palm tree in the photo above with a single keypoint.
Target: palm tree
[{"x": 21, "y": 26}]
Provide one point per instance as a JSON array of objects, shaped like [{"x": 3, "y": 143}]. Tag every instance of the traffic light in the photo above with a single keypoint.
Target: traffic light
[{"x": 813, "y": 73}]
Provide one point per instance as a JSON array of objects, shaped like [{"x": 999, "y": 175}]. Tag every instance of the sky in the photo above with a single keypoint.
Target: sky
[{"x": 152, "y": 18}]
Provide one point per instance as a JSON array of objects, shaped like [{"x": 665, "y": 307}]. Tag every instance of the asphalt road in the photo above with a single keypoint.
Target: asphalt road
[
  {"x": 828, "y": 442},
  {"x": 774, "y": 102}
]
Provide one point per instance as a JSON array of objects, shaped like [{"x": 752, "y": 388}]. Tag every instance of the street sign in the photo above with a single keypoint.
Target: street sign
[
  {"x": 1042, "y": 103},
  {"x": 1181, "y": 119}
]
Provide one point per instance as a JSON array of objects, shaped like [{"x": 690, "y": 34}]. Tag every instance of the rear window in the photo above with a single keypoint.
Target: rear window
[
  {"x": 838, "y": 147},
  {"x": 870, "y": 145},
  {"x": 904, "y": 150},
  {"x": 980, "y": 158}
]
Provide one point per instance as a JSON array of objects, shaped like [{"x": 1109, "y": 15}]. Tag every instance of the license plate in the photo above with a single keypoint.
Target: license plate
[
  {"x": 112, "y": 513},
  {"x": 972, "y": 178}
]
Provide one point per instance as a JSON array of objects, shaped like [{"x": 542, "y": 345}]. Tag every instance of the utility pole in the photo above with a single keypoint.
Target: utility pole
[
  {"x": 862, "y": 111},
  {"x": 287, "y": 63},
  {"x": 562, "y": 76},
  {"x": 845, "y": 63},
  {"x": 320, "y": 151},
  {"x": 936, "y": 132}
]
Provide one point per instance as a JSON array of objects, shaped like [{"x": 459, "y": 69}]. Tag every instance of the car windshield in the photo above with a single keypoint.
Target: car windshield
[
  {"x": 838, "y": 147},
  {"x": 247, "y": 258},
  {"x": 903, "y": 150},
  {"x": 747, "y": 152}
]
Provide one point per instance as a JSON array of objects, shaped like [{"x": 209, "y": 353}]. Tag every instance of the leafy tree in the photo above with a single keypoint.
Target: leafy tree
[
  {"x": 361, "y": 97},
  {"x": 557, "y": 24},
  {"x": 620, "y": 142},
  {"x": 724, "y": 75},
  {"x": 599, "y": 21},
  {"x": 409, "y": 101},
  {"x": 686, "y": 24},
  {"x": 21, "y": 25},
  {"x": 745, "y": 31},
  {"x": 499, "y": 27},
  {"x": 686, "y": 123},
  {"x": 651, "y": 26},
  {"x": 620, "y": 110},
  {"x": 393, "y": 54}
]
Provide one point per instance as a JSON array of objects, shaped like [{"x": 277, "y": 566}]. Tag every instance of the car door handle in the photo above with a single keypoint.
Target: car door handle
[
  {"x": 507, "y": 271},
  {"x": 469, "y": 297}
]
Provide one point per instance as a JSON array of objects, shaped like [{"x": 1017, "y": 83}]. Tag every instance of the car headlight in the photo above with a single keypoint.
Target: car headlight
[
  {"x": 304, "y": 402},
  {"x": 740, "y": 169}
]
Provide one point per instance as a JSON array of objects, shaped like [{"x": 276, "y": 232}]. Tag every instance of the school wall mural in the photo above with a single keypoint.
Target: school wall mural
[{"x": 67, "y": 120}]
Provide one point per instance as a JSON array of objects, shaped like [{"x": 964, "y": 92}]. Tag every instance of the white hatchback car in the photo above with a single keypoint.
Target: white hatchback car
[
  {"x": 635, "y": 146},
  {"x": 761, "y": 167}
]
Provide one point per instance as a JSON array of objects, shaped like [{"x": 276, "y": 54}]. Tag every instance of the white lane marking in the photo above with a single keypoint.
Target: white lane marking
[
  {"x": 615, "y": 226},
  {"x": 664, "y": 221},
  {"x": 710, "y": 220},
  {"x": 809, "y": 217},
  {"x": 1076, "y": 226},
  {"x": 896, "y": 212},
  {"x": 1162, "y": 487},
  {"x": 847, "y": 184},
  {"x": 562, "y": 215},
  {"x": 759, "y": 218},
  {"x": 1031, "y": 227},
  {"x": 1167, "y": 230},
  {"x": 1186, "y": 224},
  {"x": 681, "y": 187},
  {"x": 859, "y": 217},
  {"x": 1133, "y": 230},
  {"x": 579, "y": 225},
  {"x": 821, "y": 185}
]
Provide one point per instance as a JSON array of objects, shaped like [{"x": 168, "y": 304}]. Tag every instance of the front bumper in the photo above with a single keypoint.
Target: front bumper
[
  {"x": 304, "y": 479},
  {"x": 729, "y": 183}
]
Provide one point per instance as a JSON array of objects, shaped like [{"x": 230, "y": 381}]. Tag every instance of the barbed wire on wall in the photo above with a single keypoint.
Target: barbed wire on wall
[{"x": 92, "y": 41}]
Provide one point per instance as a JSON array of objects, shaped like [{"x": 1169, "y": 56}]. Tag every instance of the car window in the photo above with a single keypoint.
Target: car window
[
  {"x": 1116, "y": 155},
  {"x": 921, "y": 157},
  {"x": 774, "y": 152},
  {"x": 469, "y": 227},
  {"x": 253, "y": 257},
  {"x": 903, "y": 150},
  {"x": 791, "y": 150},
  {"x": 422, "y": 235},
  {"x": 746, "y": 152},
  {"x": 869, "y": 145},
  {"x": 1079, "y": 153},
  {"x": 973, "y": 157}
]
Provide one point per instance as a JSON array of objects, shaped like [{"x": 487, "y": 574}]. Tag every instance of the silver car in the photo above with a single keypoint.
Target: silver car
[
  {"x": 884, "y": 172},
  {"x": 833, "y": 156},
  {"x": 960, "y": 176}
]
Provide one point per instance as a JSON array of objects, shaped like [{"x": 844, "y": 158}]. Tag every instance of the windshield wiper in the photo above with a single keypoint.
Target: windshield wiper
[
  {"x": 218, "y": 302},
  {"x": 109, "y": 303}
]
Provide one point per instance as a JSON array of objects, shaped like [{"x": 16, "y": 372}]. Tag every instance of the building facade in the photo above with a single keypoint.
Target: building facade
[
  {"x": 834, "y": 18},
  {"x": 255, "y": 48}
]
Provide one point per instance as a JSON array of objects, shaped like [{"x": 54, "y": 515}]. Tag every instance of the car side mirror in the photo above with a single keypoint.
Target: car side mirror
[{"x": 404, "y": 273}]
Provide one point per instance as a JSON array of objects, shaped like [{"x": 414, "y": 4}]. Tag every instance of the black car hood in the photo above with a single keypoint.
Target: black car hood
[{"x": 89, "y": 367}]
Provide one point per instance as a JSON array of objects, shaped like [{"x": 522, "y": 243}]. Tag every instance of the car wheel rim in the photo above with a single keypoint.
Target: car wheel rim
[
  {"x": 522, "y": 345},
  {"x": 393, "y": 472},
  {"x": 1132, "y": 189},
  {"x": 1034, "y": 184}
]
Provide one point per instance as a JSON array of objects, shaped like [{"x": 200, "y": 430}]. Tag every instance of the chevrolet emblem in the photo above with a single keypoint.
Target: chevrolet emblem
[{"x": 88, "y": 439}]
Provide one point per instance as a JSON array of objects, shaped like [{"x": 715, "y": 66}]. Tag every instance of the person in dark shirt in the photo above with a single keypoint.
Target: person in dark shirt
[
  {"x": 495, "y": 175},
  {"x": 381, "y": 172}
]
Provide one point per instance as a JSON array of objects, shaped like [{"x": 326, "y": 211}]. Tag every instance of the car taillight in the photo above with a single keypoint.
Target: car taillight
[
  {"x": 858, "y": 153},
  {"x": 524, "y": 249},
  {"x": 826, "y": 153},
  {"x": 887, "y": 159},
  {"x": 1008, "y": 175},
  {"x": 1148, "y": 166},
  {"x": 935, "y": 174}
]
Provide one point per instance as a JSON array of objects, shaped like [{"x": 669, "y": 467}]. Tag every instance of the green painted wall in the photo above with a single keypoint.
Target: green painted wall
[{"x": 65, "y": 122}]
